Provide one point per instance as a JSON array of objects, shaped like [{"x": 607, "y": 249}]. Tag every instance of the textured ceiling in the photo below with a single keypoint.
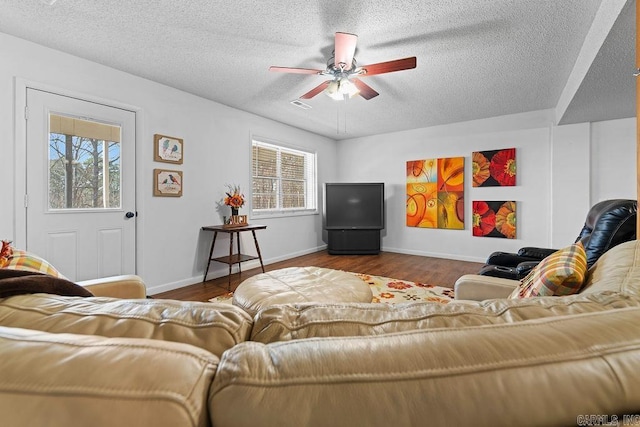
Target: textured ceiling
[
  {"x": 608, "y": 90},
  {"x": 476, "y": 59}
]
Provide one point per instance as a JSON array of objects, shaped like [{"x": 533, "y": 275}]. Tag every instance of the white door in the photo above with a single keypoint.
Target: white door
[{"x": 80, "y": 177}]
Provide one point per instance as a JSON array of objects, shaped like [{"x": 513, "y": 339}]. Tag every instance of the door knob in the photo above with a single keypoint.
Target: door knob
[{"x": 129, "y": 214}]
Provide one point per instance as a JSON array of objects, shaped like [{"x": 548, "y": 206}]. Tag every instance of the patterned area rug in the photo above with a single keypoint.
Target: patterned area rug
[
  {"x": 393, "y": 291},
  {"x": 389, "y": 291}
]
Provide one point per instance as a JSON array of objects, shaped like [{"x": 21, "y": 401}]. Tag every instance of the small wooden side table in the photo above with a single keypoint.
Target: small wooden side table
[{"x": 232, "y": 258}]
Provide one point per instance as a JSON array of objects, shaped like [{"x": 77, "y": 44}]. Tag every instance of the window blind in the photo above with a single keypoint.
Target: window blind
[{"x": 283, "y": 179}]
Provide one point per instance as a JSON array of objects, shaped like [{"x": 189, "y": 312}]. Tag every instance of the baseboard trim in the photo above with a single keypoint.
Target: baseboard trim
[{"x": 456, "y": 257}]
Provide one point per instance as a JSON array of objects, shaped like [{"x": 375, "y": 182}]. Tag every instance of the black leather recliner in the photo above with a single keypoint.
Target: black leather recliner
[{"x": 608, "y": 224}]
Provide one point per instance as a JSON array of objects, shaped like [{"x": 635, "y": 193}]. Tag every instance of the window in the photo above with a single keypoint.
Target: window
[
  {"x": 84, "y": 164},
  {"x": 283, "y": 179}
]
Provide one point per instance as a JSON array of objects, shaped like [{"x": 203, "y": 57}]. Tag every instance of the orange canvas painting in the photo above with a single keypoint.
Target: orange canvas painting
[{"x": 435, "y": 193}]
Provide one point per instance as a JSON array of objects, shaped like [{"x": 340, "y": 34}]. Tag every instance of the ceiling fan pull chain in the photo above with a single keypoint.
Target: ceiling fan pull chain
[{"x": 345, "y": 117}]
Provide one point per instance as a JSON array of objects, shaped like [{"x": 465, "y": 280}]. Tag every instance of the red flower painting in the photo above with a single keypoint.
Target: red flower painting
[
  {"x": 494, "y": 219},
  {"x": 496, "y": 168}
]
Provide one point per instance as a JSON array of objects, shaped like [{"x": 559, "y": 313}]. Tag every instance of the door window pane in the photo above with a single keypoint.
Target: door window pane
[{"x": 84, "y": 164}]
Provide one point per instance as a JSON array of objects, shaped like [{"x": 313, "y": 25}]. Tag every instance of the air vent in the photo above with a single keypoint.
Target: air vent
[{"x": 300, "y": 104}]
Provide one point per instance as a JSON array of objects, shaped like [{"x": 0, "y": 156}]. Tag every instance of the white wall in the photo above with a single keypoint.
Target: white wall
[
  {"x": 591, "y": 162},
  {"x": 171, "y": 248},
  {"x": 613, "y": 160},
  {"x": 561, "y": 173},
  {"x": 570, "y": 198}
]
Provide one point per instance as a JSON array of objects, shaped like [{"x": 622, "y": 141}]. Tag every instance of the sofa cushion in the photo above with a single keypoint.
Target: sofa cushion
[
  {"x": 561, "y": 273},
  {"x": 214, "y": 327},
  {"x": 310, "y": 320},
  {"x": 61, "y": 380},
  {"x": 18, "y": 282}
]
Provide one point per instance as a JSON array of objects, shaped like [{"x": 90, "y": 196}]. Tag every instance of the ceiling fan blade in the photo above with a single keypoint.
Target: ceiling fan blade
[
  {"x": 345, "y": 48},
  {"x": 366, "y": 91},
  {"x": 294, "y": 70},
  {"x": 389, "y": 67},
  {"x": 316, "y": 90}
]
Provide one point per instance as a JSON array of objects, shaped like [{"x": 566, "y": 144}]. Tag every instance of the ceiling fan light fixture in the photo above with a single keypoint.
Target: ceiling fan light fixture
[
  {"x": 348, "y": 88},
  {"x": 332, "y": 88},
  {"x": 340, "y": 89},
  {"x": 335, "y": 96}
]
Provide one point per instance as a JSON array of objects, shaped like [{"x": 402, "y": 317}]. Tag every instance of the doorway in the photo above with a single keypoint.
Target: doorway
[{"x": 80, "y": 185}]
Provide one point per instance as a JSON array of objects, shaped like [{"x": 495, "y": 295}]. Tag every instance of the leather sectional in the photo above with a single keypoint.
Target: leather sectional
[{"x": 104, "y": 361}]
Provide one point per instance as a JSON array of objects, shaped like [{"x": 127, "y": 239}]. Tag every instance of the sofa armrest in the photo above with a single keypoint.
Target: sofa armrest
[
  {"x": 534, "y": 252},
  {"x": 61, "y": 379},
  {"x": 507, "y": 259},
  {"x": 478, "y": 288},
  {"x": 525, "y": 268},
  {"x": 127, "y": 286}
]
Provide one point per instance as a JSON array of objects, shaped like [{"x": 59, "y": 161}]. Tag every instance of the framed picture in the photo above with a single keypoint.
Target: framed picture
[
  {"x": 435, "y": 193},
  {"x": 494, "y": 168},
  {"x": 167, "y": 149},
  {"x": 494, "y": 219},
  {"x": 167, "y": 183}
]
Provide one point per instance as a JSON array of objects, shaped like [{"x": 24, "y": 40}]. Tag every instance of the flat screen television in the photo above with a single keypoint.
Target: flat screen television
[{"x": 354, "y": 206}]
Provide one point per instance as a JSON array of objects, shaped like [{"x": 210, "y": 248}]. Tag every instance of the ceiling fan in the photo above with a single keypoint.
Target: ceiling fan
[{"x": 345, "y": 74}]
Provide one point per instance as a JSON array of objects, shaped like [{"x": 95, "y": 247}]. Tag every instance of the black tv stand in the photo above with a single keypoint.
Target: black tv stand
[{"x": 354, "y": 241}]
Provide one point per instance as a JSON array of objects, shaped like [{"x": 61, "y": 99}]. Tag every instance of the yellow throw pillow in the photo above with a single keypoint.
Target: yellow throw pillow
[
  {"x": 561, "y": 273},
  {"x": 23, "y": 260}
]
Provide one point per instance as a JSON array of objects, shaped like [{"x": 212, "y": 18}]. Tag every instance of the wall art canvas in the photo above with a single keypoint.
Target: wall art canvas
[
  {"x": 495, "y": 168},
  {"x": 167, "y": 183},
  {"x": 435, "y": 193},
  {"x": 494, "y": 219},
  {"x": 168, "y": 149}
]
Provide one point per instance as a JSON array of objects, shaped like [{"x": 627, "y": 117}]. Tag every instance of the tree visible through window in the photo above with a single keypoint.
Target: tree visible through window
[
  {"x": 284, "y": 179},
  {"x": 84, "y": 164}
]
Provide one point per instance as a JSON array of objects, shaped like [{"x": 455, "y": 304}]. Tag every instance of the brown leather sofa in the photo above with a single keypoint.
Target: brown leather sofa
[{"x": 101, "y": 361}]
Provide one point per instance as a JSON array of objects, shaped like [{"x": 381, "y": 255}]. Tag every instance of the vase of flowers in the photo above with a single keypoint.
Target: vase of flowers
[{"x": 234, "y": 198}]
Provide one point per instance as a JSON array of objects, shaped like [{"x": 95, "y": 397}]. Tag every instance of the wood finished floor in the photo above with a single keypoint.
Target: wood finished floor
[{"x": 435, "y": 271}]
